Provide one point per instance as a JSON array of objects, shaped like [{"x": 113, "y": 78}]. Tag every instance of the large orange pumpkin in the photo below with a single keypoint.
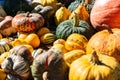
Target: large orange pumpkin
[
  {"x": 105, "y": 11},
  {"x": 107, "y": 41}
]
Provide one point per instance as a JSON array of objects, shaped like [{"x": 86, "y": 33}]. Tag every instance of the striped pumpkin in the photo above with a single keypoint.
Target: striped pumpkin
[
  {"x": 4, "y": 46},
  {"x": 47, "y": 38}
]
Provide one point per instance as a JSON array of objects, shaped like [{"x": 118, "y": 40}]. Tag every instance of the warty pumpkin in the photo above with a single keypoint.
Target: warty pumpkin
[
  {"x": 95, "y": 67},
  {"x": 27, "y": 22},
  {"x": 105, "y": 41},
  {"x": 76, "y": 41},
  {"x": 67, "y": 27}
]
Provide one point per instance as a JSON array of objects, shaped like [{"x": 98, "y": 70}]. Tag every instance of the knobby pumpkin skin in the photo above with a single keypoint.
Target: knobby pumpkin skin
[
  {"x": 95, "y": 67},
  {"x": 27, "y": 22},
  {"x": 105, "y": 41},
  {"x": 107, "y": 12}
]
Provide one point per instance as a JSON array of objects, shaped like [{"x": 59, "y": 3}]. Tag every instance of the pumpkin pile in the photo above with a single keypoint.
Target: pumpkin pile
[{"x": 59, "y": 40}]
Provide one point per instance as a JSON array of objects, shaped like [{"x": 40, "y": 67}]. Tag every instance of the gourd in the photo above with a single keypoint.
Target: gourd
[
  {"x": 95, "y": 67},
  {"x": 4, "y": 46},
  {"x": 3, "y": 56},
  {"x": 16, "y": 65},
  {"x": 27, "y": 22},
  {"x": 33, "y": 40},
  {"x": 2, "y": 74},
  {"x": 42, "y": 31},
  {"x": 105, "y": 41},
  {"x": 49, "y": 65},
  {"x": 67, "y": 27},
  {"x": 71, "y": 56},
  {"x": 104, "y": 14},
  {"x": 22, "y": 51},
  {"x": 6, "y": 28},
  {"x": 76, "y": 41},
  {"x": 48, "y": 38},
  {"x": 59, "y": 41},
  {"x": 61, "y": 15}
]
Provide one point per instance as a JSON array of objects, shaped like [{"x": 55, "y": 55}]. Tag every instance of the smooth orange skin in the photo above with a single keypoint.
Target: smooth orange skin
[{"x": 105, "y": 12}]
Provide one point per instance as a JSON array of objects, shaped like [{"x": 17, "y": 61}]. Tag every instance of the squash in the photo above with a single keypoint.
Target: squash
[
  {"x": 6, "y": 28},
  {"x": 104, "y": 14},
  {"x": 3, "y": 56},
  {"x": 67, "y": 27},
  {"x": 2, "y": 74},
  {"x": 27, "y": 22},
  {"x": 71, "y": 56},
  {"x": 61, "y": 15},
  {"x": 42, "y": 31},
  {"x": 37, "y": 52},
  {"x": 15, "y": 64},
  {"x": 95, "y": 67},
  {"x": 48, "y": 38},
  {"x": 4, "y": 46},
  {"x": 59, "y": 41},
  {"x": 52, "y": 3},
  {"x": 22, "y": 35},
  {"x": 105, "y": 41},
  {"x": 49, "y": 65},
  {"x": 76, "y": 41},
  {"x": 22, "y": 51},
  {"x": 82, "y": 13},
  {"x": 33, "y": 40}
]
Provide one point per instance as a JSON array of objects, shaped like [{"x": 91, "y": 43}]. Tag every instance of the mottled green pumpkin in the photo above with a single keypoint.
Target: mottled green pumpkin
[{"x": 67, "y": 27}]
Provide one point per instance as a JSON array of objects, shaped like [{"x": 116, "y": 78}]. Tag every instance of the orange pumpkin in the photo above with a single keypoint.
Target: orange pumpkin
[
  {"x": 107, "y": 41},
  {"x": 105, "y": 11}
]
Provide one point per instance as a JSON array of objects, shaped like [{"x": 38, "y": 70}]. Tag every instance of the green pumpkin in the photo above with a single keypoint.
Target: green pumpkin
[{"x": 65, "y": 28}]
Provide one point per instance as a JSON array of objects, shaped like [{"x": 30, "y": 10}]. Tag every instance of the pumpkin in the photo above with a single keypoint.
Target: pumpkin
[
  {"x": 12, "y": 7},
  {"x": 22, "y": 35},
  {"x": 3, "y": 56},
  {"x": 48, "y": 38},
  {"x": 49, "y": 65},
  {"x": 4, "y": 46},
  {"x": 27, "y": 22},
  {"x": 33, "y": 40},
  {"x": 2, "y": 74},
  {"x": 76, "y": 41},
  {"x": 22, "y": 51},
  {"x": 67, "y": 27},
  {"x": 82, "y": 13},
  {"x": 15, "y": 64},
  {"x": 37, "y": 52},
  {"x": 101, "y": 13},
  {"x": 71, "y": 56},
  {"x": 59, "y": 41},
  {"x": 2, "y": 11},
  {"x": 6, "y": 28},
  {"x": 95, "y": 67},
  {"x": 105, "y": 41},
  {"x": 52, "y": 3},
  {"x": 61, "y": 15},
  {"x": 42, "y": 31}
]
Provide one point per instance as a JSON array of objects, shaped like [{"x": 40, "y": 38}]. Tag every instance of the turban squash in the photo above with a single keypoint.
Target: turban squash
[{"x": 95, "y": 67}]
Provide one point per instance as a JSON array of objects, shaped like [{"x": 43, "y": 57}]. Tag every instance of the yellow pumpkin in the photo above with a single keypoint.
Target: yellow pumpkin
[
  {"x": 22, "y": 35},
  {"x": 59, "y": 41},
  {"x": 95, "y": 67},
  {"x": 76, "y": 41},
  {"x": 17, "y": 42},
  {"x": 61, "y": 15},
  {"x": 33, "y": 40},
  {"x": 71, "y": 56}
]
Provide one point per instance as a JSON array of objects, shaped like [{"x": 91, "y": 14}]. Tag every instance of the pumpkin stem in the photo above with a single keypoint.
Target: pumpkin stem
[
  {"x": 108, "y": 28},
  {"x": 75, "y": 19},
  {"x": 95, "y": 58},
  {"x": 27, "y": 14}
]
